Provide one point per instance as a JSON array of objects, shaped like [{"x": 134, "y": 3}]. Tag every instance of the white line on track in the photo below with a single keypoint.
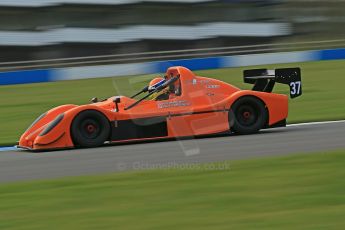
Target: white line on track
[
  {"x": 316, "y": 123},
  {"x": 12, "y": 148},
  {"x": 3, "y": 149}
]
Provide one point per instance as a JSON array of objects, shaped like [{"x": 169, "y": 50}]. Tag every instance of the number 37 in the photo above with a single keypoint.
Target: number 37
[{"x": 295, "y": 87}]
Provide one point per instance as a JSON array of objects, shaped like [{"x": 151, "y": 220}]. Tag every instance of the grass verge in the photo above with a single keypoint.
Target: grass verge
[
  {"x": 304, "y": 191},
  {"x": 322, "y": 99}
]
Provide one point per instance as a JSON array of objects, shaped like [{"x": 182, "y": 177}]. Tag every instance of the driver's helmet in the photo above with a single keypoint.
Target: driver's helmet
[{"x": 161, "y": 95}]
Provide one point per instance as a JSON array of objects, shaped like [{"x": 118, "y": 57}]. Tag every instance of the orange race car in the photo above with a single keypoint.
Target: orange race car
[{"x": 180, "y": 104}]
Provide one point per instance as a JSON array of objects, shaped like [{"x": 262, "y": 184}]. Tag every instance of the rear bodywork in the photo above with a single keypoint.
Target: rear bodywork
[{"x": 201, "y": 109}]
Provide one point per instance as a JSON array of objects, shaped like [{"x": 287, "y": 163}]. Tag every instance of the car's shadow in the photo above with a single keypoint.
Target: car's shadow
[{"x": 186, "y": 138}]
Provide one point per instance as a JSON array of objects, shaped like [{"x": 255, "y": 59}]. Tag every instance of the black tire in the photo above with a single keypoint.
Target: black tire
[
  {"x": 247, "y": 115},
  {"x": 90, "y": 128}
]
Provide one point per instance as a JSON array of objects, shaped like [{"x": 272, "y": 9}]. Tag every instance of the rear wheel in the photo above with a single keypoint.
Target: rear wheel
[
  {"x": 247, "y": 115},
  {"x": 90, "y": 128}
]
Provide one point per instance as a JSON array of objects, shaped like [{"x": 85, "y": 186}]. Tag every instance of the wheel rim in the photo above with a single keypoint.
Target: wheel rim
[
  {"x": 90, "y": 129},
  {"x": 246, "y": 115}
]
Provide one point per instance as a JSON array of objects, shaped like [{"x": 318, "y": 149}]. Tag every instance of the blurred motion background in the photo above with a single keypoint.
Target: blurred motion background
[
  {"x": 55, "y": 29},
  {"x": 118, "y": 45},
  {"x": 45, "y": 41}
]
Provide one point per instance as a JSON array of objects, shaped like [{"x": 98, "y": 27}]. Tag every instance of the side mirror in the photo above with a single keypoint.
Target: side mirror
[
  {"x": 117, "y": 100},
  {"x": 94, "y": 100}
]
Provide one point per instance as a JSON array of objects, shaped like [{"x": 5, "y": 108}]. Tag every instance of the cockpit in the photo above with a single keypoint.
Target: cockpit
[{"x": 160, "y": 88}]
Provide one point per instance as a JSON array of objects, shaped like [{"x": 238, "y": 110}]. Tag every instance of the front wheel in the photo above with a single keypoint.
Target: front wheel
[
  {"x": 247, "y": 115},
  {"x": 90, "y": 128}
]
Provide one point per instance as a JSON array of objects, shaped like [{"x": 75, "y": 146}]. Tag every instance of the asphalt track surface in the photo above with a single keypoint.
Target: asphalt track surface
[{"x": 301, "y": 138}]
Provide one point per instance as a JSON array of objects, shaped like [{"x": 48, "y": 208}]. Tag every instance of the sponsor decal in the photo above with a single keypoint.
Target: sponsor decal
[
  {"x": 202, "y": 82},
  {"x": 212, "y": 86},
  {"x": 195, "y": 81},
  {"x": 169, "y": 104}
]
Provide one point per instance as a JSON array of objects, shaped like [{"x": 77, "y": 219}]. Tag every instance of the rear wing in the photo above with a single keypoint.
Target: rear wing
[{"x": 264, "y": 79}]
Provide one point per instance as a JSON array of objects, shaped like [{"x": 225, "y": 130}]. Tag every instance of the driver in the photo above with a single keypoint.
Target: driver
[{"x": 161, "y": 95}]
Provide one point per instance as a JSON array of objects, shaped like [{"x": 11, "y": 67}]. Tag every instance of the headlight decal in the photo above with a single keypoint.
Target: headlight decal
[
  {"x": 37, "y": 120},
  {"x": 52, "y": 124}
]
